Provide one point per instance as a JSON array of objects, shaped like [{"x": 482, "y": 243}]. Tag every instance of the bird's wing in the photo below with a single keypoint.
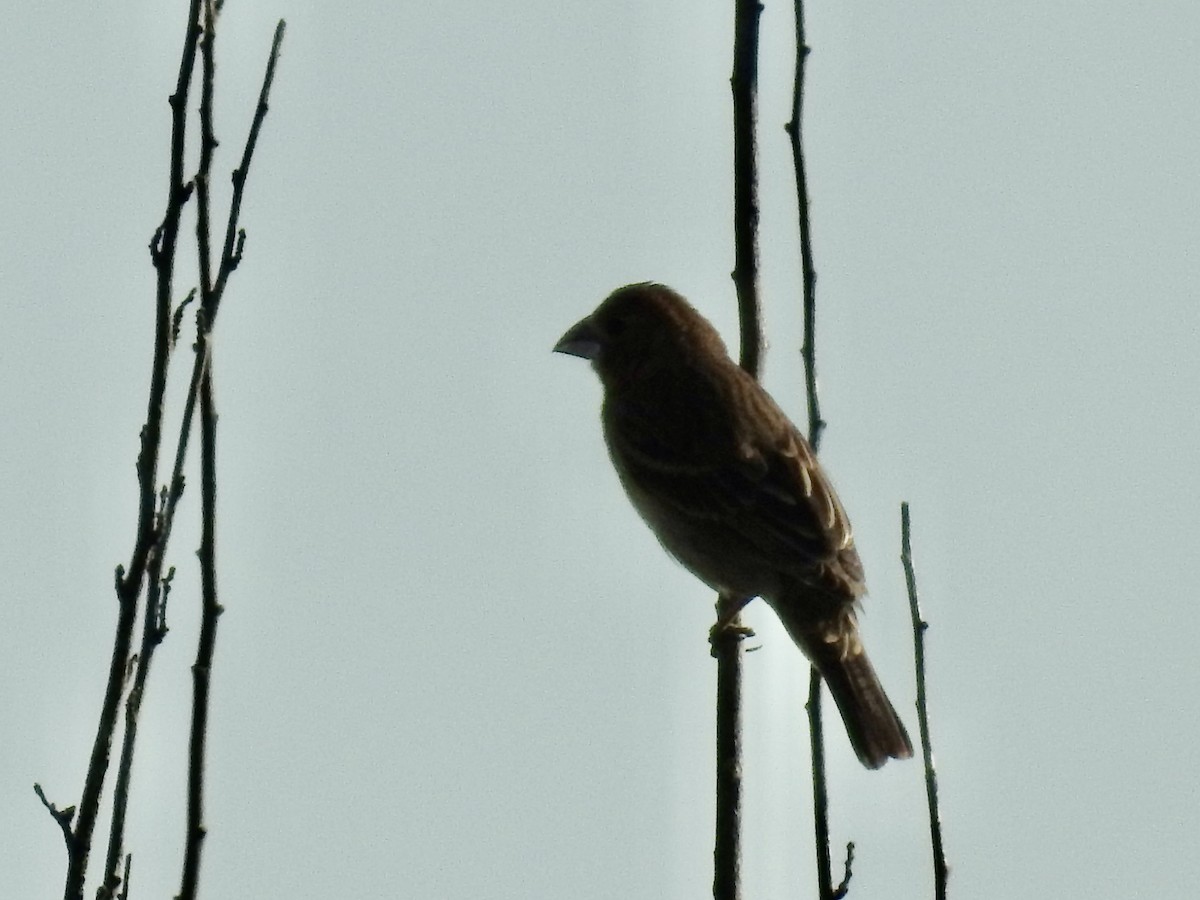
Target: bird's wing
[{"x": 763, "y": 486}]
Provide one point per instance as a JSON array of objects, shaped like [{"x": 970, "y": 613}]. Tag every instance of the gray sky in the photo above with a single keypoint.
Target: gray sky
[{"x": 454, "y": 664}]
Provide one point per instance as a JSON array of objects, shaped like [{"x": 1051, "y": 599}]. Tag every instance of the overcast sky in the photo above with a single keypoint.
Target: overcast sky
[{"x": 454, "y": 664}]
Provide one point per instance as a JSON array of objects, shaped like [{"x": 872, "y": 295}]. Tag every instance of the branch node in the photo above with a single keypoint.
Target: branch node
[
  {"x": 156, "y": 246},
  {"x": 124, "y": 895},
  {"x": 62, "y": 816},
  {"x": 843, "y": 887},
  {"x": 236, "y": 257},
  {"x": 177, "y": 318}
]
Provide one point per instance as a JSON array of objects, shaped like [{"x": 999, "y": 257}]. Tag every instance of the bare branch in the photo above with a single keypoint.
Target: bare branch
[
  {"x": 202, "y": 668},
  {"x": 235, "y": 238},
  {"x": 129, "y": 581},
  {"x": 177, "y": 317},
  {"x": 816, "y": 426},
  {"x": 794, "y": 129},
  {"x": 744, "y": 84},
  {"x": 941, "y": 871},
  {"x": 202, "y": 386},
  {"x": 157, "y": 506},
  {"x": 124, "y": 894},
  {"x": 62, "y": 816},
  {"x": 206, "y": 320},
  {"x": 843, "y": 887},
  {"x": 727, "y": 638}
]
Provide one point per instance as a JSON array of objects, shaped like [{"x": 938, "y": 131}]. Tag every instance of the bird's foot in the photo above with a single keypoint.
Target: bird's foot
[{"x": 728, "y": 629}]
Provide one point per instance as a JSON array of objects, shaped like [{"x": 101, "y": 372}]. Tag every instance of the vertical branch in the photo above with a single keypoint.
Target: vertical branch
[
  {"x": 235, "y": 238},
  {"x": 920, "y": 626},
  {"x": 727, "y": 648},
  {"x": 808, "y": 354},
  {"x": 208, "y": 144},
  {"x": 124, "y": 894},
  {"x": 210, "y": 610},
  {"x": 154, "y": 629},
  {"x": 727, "y": 641},
  {"x": 205, "y": 646},
  {"x": 156, "y": 508},
  {"x": 79, "y": 843},
  {"x": 820, "y": 794},
  {"x": 794, "y": 129},
  {"x": 202, "y": 385},
  {"x": 745, "y": 180},
  {"x": 128, "y": 582}
]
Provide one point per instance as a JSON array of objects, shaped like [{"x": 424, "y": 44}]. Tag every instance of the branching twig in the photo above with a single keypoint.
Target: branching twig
[
  {"x": 156, "y": 508},
  {"x": 62, "y": 816},
  {"x": 235, "y": 238},
  {"x": 124, "y": 894},
  {"x": 146, "y": 544},
  {"x": 154, "y": 629},
  {"x": 229, "y": 262},
  {"x": 211, "y": 289},
  {"x": 920, "y": 626},
  {"x": 843, "y": 887}
]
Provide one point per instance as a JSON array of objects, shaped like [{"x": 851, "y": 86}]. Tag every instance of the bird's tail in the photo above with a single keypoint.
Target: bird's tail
[{"x": 834, "y": 648}]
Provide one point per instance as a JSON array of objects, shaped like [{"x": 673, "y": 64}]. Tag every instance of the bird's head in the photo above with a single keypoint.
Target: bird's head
[{"x": 639, "y": 325}]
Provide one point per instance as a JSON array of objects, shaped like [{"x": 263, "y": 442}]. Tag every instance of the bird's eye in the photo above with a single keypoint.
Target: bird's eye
[{"x": 616, "y": 326}]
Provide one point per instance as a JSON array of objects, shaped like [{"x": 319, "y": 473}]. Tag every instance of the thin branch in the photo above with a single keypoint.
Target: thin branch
[
  {"x": 80, "y": 846},
  {"x": 177, "y": 317},
  {"x": 129, "y": 581},
  {"x": 124, "y": 894},
  {"x": 202, "y": 385},
  {"x": 156, "y": 508},
  {"x": 727, "y": 648},
  {"x": 794, "y": 129},
  {"x": 744, "y": 83},
  {"x": 816, "y": 734},
  {"x": 153, "y": 631},
  {"x": 727, "y": 641},
  {"x": 208, "y": 145},
  {"x": 202, "y": 668},
  {"x": 235, "y": 238},
  {"x": 843, "y": 887},
  {"x": 62, "y": 816},
  {"x": 820, "y": 794},
  {"x": 941, "y": 871},
  {"x": 816, "y": 425},
  {"x": 206, "y": 644},
  {"x": 229, "y": 262}
]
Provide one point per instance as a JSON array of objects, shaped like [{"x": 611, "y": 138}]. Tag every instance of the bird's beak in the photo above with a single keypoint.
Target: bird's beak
[{"x": 581, "y": 340}]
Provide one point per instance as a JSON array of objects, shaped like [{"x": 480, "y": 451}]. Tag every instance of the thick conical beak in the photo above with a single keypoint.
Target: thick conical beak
[{"x": 580, "y": 340}]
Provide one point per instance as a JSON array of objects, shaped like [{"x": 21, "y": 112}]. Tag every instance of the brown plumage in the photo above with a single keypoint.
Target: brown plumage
[{"x": 733, "y": 490}]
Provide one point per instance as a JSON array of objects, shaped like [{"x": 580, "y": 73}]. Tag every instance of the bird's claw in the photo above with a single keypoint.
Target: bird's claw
[{"x": 728, "y": 631}]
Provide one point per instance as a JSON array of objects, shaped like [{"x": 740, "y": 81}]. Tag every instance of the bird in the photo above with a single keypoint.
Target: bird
[{"x": 733, "y": 491}]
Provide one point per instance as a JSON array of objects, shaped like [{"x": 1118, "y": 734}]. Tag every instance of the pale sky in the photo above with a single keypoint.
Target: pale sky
[{"x": 454, "y": 664}]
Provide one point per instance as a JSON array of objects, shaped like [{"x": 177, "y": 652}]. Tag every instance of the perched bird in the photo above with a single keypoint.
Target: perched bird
[{"x": 733, "y": 490}]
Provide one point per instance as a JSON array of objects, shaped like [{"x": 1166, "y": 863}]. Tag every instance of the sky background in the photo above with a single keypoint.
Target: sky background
[{"x": 453, "y": 663}]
